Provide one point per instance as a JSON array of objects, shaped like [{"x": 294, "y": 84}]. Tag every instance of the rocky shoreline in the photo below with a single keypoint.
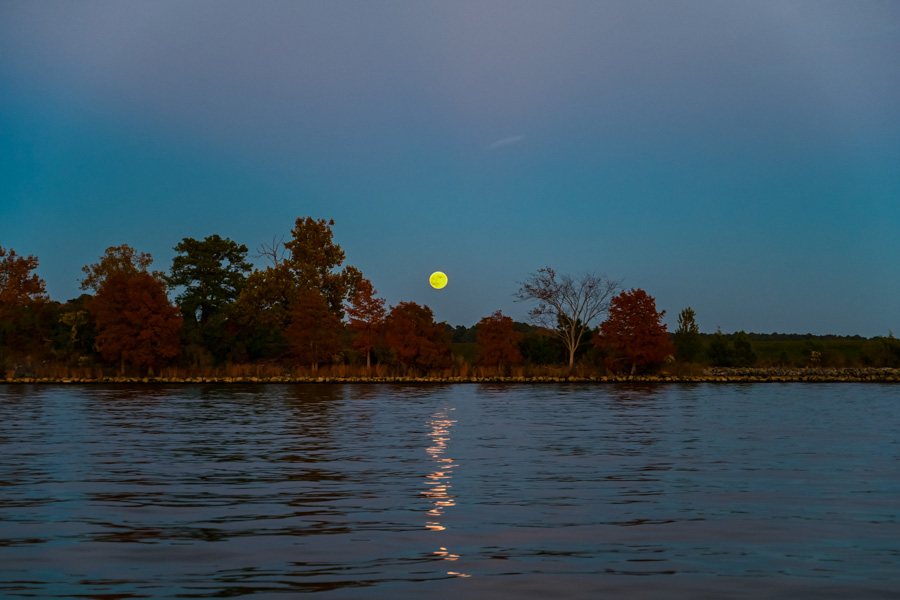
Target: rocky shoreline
[{"x": 712, "y": 375}]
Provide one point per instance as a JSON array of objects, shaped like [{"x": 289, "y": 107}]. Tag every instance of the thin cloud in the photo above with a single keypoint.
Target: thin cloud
[{"x": 514, "y": 139}]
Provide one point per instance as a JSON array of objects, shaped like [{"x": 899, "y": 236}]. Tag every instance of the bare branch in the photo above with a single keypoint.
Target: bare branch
[
  {"x": 566, "y": 305},
  {"x": 274, "y": 253}
]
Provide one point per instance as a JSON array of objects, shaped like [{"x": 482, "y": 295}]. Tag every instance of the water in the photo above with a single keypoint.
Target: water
[{"x": 363, "y": 491}]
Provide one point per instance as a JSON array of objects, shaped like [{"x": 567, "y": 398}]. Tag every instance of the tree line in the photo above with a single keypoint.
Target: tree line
[{"x": 306, "y": 307}]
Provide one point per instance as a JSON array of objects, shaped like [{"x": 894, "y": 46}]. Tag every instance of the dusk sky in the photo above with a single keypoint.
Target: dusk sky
[{"x": 741, "y": 158}]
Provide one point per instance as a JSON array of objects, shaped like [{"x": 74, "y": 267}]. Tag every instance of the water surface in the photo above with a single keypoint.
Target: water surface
[{"x": 374, "y": 491}]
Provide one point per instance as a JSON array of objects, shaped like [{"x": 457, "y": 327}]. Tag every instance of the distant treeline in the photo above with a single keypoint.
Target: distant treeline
[{"x": 304, "y": 310}]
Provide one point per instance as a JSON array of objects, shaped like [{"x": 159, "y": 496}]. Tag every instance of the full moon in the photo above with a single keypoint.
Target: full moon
[{"x": 437, "y": 280}]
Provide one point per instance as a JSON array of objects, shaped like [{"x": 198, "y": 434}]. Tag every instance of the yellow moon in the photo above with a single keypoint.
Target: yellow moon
[{"x": 437, "y": 280}]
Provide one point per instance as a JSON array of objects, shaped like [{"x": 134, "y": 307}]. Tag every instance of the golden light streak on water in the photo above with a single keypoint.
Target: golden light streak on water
[{"x": 439, "y": 481}]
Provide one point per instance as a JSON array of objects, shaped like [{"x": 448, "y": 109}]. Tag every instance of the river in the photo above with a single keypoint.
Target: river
[{"x": 445, "y": 491}]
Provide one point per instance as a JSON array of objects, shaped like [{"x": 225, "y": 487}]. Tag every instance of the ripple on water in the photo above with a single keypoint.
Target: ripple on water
[{"x": 569, "y": 491}]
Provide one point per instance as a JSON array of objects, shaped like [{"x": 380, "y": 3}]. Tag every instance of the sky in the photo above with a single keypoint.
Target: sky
[{"x": 740, "y": 158}]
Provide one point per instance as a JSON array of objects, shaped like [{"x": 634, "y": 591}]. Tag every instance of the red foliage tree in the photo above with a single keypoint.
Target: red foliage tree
[
  {"x": 136, "y": 322},
  {"x": 420, "y": 342},
  {"x": 498, "y": 342},
  {"x": 314, "y": 331},
  {"x": 18, "y": 285},
  {"x": 366, "y": 314},
  {"x": 633, "y": 333}
]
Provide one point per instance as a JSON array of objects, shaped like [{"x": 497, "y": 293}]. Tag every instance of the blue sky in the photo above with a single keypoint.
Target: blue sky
[{"x": 739, "y": 158}]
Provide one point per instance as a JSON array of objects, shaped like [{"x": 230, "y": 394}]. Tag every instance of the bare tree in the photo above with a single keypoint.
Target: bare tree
[
  {"x": 274, "y": 252},
  {"x": 566, "y": 305}
]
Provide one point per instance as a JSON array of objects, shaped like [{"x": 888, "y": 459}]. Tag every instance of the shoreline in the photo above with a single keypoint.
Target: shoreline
[{"x": 713, "y": 375}]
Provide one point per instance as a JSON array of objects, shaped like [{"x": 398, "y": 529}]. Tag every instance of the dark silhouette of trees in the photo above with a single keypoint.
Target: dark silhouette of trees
[
  {"x": 736, "y": 351},
  {"x": 212, "y": 273},
  {"x": 633, "y": 333},
  {"x": 419, "y": 342},
  {"x": 314, "y": 331},
  {"x": 116, "y": 259},
  {"x": 688, "y": 342},
  {"x": 498, "y": 341},
  {"x": 366, "y": 315},
  {"x": 136, "y": 322},
  {"x": 566, "y": 305}
]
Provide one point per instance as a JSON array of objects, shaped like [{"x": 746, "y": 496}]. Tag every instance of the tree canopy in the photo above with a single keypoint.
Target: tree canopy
[
  {"x": 633, "y": 333},
  {"x": 136, "y": 322},
  {"x": 116, "y": 259}
]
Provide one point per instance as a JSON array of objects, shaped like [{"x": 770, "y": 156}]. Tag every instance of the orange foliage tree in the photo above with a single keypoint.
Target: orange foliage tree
[
  {"x": 498, "y": 342},
  {"x": 18, "y": 285},
  {"x": 116, "y": 259},
  {"x": 633, "y": 332},
  {"x": 366, "y": 318},
  {"x": 136, "y": 323},
  {"x": 314, "y": 331},
  {"x": 419, "y": 342}
]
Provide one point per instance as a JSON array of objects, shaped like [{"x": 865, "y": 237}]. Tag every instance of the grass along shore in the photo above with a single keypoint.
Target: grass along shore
[{"x": 707, "y": 375}]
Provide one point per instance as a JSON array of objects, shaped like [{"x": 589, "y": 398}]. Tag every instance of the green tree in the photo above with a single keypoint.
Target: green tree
[
  {"x": 212, "y": 273},
  {"x": 744, "y": 356},
  {"x": 688, "y": 342},
  {"x": 720, "y": 350}
]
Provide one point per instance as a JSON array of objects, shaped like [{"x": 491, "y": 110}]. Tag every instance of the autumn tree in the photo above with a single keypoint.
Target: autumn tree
[
  {"x": 116, "y": 259},
  {"x": 25, "y": 317},
  {"x": 315, "y": 260},
  {"x": 18, "y": 285},
  {"x": 366, "y": 318},
  {"x": 498, "y": 341},
  {"x": 566, "y": 305},
  {"x": 688, "y": 342},
  {"x": 633, "y": 332},
  {"x": 136, "y": 323},
  {"x": 314, "y": 330},
  {"x": 419, "y": 342}
]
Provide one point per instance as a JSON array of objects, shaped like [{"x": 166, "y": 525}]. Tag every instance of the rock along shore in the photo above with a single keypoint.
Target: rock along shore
[{"x": 713, "y": 375}]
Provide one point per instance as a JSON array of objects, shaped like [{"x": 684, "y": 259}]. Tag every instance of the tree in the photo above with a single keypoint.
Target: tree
[
  {"x": 566, "y": 305},
  {"x": 419, "y": 342},
  {"x": 263, "y": 309},
  {"x": 688, "y": 342},
  {"x": 315, "y": 258},
  {"x": 744, "y": 356},
  {"x": 498, "y": 342},
  {"x": 366, "y": 317},
  {"x": 212, "y": 273},
  {"x": 633, "y": 332},
  {"x": 116, "y": 259},
  {"x": 136, "y": 322},
  {"x": 314, "y": 331},
  {"x": 18, "y": 285}
]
